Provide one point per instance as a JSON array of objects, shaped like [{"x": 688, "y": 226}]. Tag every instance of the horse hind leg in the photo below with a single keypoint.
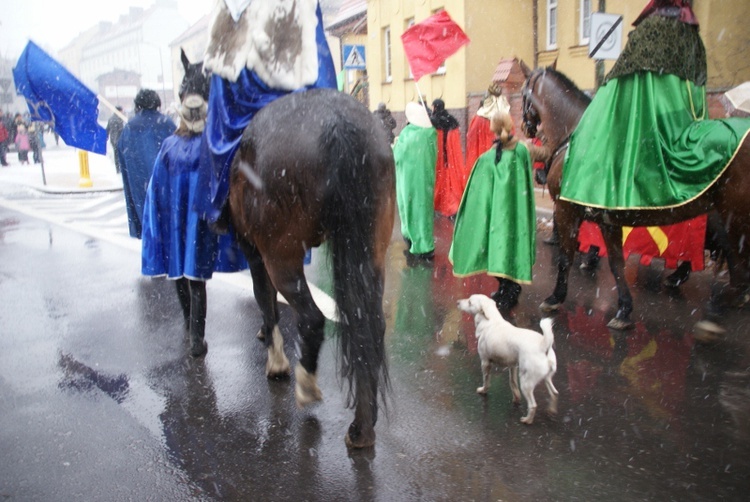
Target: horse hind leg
[
  {"x": 310, "y": 325},
  {"x": 277, "y": 364}
]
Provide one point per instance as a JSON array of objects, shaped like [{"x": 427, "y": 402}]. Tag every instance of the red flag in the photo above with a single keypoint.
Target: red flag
[{"x": 429, "y": 43}]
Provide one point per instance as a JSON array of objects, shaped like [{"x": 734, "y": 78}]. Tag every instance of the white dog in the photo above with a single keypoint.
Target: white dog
[{"x": 502, "y": 343}]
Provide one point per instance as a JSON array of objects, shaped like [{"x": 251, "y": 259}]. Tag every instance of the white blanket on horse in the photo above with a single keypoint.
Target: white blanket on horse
[{"x": 274, "y": 38}]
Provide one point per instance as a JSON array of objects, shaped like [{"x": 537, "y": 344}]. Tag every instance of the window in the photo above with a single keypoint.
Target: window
[
  {"x": 585, "y": 22},
  {"x": 551, "y": 24},
  {"x": 387, "y": 54}
]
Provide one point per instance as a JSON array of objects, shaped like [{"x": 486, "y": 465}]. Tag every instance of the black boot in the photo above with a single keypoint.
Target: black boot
[
  {"x": 506, "y": 296},
  {"x": 679, "y": 276},
  {"x": 198, "y": 345},
  {"x": 423, "y": 259},
  {"x": 591, "y": 259}
]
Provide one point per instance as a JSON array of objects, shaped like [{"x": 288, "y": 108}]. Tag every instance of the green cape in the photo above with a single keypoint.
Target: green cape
[
  {"x": 643, "y": 142},
  {"x": 495, "y": 231},
  {"x": 415, "y": 153}
]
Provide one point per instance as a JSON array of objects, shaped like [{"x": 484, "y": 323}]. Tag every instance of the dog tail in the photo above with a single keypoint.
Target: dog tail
[{"x": 549, "y": 336}]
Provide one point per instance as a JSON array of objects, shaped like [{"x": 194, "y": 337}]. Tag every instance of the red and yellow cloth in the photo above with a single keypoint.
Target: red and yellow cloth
[{"x": 674, "y": 243}]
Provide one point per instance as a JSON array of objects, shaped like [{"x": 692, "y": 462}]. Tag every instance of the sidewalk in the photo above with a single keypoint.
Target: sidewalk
[
  {"x": 63, "y": 174},
  {"x": 62, "y": 171}
]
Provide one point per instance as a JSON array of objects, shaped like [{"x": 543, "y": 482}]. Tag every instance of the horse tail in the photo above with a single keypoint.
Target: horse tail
[{"x": 350, "y": 213}]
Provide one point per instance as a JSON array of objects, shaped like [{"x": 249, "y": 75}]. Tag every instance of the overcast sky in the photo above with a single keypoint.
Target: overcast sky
[{"x": 53, "y": 24}]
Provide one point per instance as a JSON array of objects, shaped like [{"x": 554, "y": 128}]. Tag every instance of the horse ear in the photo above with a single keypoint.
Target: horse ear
[
  {"x": 524, "y": 68},
  {"x": 553, "y": 66},
  {"x": 184, "y": 59}
]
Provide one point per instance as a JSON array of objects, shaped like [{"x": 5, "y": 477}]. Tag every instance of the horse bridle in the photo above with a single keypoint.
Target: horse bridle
[
  {"x": 530, "y": 116},
  {"x": 531, "y": 119}
]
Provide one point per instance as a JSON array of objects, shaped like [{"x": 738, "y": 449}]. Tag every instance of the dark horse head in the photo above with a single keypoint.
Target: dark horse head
[
  {"x": 194, "y": 81},
  {"x": 193, "y": 97}
]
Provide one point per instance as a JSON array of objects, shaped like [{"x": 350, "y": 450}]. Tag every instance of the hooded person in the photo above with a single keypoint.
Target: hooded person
[
  {"x": 415, "y": 153},
  {"x": 386, "y": 119},
  {"x": 450, "y": 172},
  {"x": 139, "y": 143},
  {"x": 177, "y": 241},
  {"x": 479, "y": 136},
  {"x": 495, "y": 230}
]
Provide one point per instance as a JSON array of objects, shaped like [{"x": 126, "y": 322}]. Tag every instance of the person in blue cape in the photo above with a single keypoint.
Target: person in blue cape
[
  {"x": 139, "y": 143},
  {"x": 251, "y": 64},
  {"x": 177, "y": 242}
]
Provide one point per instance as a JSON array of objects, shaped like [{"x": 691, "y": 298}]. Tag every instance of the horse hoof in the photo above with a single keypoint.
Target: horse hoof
[
  {"x": 620, "y": 324},
  {"x": 306, "y": 390},
  {"x": 199, "y": 349},
  {"x": 355, "y": 439},
  {"x": 708, "y": 332},
  {"x": 547, "y": 306}
]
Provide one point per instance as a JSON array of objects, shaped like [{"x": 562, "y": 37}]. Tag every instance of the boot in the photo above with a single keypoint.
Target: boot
[
  {"x": 506, "y": 296},
  {"x": 591, "y": 259},
  {"x": 679, "y": 276}
]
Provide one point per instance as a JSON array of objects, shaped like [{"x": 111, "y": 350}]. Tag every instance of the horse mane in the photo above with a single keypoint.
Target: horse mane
[{"x": 568, "y": 84}]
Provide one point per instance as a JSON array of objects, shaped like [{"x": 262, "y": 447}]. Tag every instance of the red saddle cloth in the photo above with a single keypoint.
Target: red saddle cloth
[{"x": 674, "y": 243}]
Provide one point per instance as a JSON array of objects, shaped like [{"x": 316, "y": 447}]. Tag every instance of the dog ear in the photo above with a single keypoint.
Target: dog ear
[{"x": 488, "y": 308}]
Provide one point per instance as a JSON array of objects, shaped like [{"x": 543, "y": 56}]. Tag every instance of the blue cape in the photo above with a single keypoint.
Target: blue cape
[
  {"x": 176, "y": 241},
  {"x": 137, "y": 149}
]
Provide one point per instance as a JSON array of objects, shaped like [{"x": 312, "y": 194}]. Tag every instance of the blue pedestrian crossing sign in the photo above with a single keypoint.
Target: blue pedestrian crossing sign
[{"x": 354, "y": 57}]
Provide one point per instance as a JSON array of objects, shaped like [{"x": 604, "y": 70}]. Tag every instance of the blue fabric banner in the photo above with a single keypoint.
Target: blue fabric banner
[{"x": 56, "y": 95}]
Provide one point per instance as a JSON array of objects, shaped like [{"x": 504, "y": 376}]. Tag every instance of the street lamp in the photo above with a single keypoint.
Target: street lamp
[{"x": 163, "y": 76}]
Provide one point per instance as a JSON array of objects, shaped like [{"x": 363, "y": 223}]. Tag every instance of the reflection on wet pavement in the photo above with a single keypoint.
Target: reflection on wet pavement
[{"x": 97, "y": 356}]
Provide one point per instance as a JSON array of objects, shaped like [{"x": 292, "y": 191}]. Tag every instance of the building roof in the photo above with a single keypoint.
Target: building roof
[
  {"x": 351, "y": 17},
  {"x": 200, "y": 26},
  {"x": 134, "y": 19}
]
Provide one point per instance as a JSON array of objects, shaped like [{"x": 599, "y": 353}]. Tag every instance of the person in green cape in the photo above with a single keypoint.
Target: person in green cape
[
  {"x": 643, "y": 142},
  {"x": 415, "y": 153},
  {"x": 495, "y": 230}
]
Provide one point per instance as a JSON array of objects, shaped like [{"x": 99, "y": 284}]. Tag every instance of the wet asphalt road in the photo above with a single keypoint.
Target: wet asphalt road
[{"x": 99, "y": 401}]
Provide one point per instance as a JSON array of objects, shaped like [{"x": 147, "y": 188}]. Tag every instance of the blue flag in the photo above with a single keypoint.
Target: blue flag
[{"x": 55, "y": 95}]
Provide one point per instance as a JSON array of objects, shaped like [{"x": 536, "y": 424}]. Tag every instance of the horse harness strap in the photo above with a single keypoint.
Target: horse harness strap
[{"x": 560, "y": 148}]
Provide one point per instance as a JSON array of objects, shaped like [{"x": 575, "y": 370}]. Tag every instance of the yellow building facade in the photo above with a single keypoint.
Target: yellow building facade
[{"x": 535, "y": 31}]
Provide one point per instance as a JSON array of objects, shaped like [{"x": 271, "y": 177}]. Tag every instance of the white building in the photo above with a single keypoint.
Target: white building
[{"x": 138, "y": 42}]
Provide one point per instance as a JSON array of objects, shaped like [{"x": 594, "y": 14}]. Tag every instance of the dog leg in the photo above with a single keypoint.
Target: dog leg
[
  {"x": 528, "y": 393},
  {"x": 552, "y": 408},
  {"x": 486, "y": 367},
  {"x": 514, "y": 385}
]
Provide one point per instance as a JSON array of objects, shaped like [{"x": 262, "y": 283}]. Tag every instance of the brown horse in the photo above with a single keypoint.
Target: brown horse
[
  {"x": 552, "y": 108},
  {"x": 316, "y": 166}
]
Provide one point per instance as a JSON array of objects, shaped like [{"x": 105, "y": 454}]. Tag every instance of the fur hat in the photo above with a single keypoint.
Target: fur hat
[{"x": 417, "y": 115}]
